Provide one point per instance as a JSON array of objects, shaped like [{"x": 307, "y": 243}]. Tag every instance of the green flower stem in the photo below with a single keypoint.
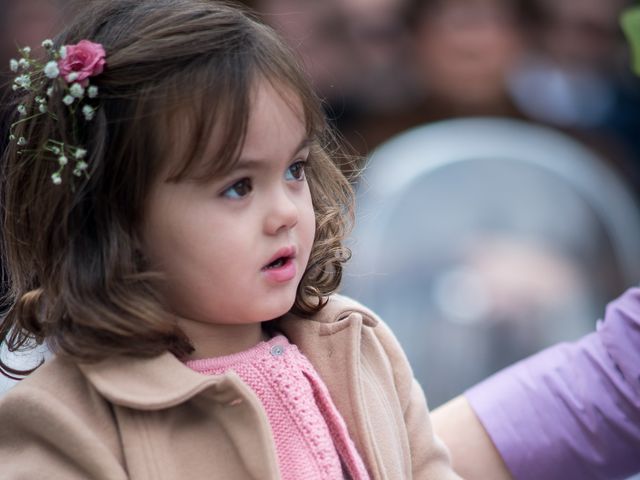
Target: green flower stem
[
  {"x": 13, "y": 125},
  {"x": 630, "y": 23}
]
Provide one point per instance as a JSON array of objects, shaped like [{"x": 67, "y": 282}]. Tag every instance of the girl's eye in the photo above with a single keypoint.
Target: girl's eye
[
  {"x": 295, "y": 171},
  {"x": 240, "y": 189}
]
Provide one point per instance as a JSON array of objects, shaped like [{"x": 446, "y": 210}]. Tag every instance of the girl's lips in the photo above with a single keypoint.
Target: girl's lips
[
  {"x": 285, "y": 252},
  {"x": 285, "y": 269},
  {"x": 283, "y": 273}
]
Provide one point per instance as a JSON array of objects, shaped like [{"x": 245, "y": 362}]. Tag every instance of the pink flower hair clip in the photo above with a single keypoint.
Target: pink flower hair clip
[{"x": 68, "y": 70}]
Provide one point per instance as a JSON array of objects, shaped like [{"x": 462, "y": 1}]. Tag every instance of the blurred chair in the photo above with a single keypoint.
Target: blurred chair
[{"x": 481, "y": 241}]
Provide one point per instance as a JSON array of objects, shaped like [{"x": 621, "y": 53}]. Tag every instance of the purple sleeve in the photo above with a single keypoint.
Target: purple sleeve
[{"x": 573, "y": 410}]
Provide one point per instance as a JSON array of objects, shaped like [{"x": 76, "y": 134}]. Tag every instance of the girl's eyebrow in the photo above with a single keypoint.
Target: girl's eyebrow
[{"x": 256, "y": 164}]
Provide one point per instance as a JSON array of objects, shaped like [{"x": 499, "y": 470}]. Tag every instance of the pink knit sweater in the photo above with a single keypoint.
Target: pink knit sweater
[{"x": 310, "y": 436}]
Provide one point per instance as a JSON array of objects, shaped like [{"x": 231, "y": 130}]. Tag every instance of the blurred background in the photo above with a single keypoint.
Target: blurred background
[{"x": 498, "y": 210}]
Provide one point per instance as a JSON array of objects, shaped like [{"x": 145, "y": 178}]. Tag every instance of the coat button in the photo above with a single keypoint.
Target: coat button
[{"x": 277, "y": 350}]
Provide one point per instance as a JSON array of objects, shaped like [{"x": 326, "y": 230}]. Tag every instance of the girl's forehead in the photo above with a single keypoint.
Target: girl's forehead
[
  {"x": 207, "y": 144},
  {"x": 276, "y": 115}
]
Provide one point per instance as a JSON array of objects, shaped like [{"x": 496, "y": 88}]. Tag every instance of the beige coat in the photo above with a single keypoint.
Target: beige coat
[{"x": 157, "y": 419}]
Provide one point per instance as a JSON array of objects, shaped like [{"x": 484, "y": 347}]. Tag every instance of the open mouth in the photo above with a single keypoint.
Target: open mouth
[
  {"x": 282, "y": 266},
  {"x": 282, "y": 258},
  {"x": 277, "y": 263}
]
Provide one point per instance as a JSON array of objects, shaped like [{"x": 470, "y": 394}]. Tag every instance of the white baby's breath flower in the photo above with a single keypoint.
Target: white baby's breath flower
[
  {"x": 48, "y": 43},
  {"x": 22, "y": 141},
  {"x": 23, "y": 63},
  {"x": 14, "y": 87},
  {"x": 39, "y": 99},
  {"x": 92, "y": 91},
  {"x": 76, "y": 90},
  {"x": 62, "y": 160},
  {"x": 68, "y": 99},
  {"x": 49, "y": 91},
  {"x": 80, "y": 168},
  {"x": 23, "y": 81},
  {"x": 72, "y": 77},
  {"x": 80, "y": 153},
  {"x": 56, "y": 178},
  {"x": 55, "y": 150},
  {"x": 88, "y": 112},
  {"x": 12, "y": 137},
  {"x": 43, "y": 108},
  {"x": 13, "y": 65},
  {"x": 22, "y": 110},
  {"x": 51, "y": 69},
  {"x": 26, "y": 50},
  {"x": 63, "y": 52}
]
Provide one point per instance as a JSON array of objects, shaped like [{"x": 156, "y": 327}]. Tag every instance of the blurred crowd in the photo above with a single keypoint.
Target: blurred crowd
[{"x": 383, "y": 66}]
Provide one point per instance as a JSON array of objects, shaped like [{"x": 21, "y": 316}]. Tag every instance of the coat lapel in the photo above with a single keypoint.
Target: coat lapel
[
  {"x": 159, "y": 383},
  {"x": 150, "y": 383}
]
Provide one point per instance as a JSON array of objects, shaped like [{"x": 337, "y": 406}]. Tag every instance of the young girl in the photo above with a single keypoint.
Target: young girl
[{"x": 172, "y": 229}]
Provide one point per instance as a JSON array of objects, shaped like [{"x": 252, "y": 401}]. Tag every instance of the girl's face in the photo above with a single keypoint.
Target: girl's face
[{"x": 234, "y": 250}]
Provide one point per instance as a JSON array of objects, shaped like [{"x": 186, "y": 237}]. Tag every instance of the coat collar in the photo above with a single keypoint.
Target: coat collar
[{"x": 164, "y": 381}]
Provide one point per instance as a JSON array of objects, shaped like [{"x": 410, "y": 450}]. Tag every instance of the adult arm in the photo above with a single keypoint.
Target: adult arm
[
  {"x": 571, "y": 411},
  {"x": 473, "y": 454}
]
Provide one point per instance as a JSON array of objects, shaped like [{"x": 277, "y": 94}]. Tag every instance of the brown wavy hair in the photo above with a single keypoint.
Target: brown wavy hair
[{"x": 76, "y": 274}]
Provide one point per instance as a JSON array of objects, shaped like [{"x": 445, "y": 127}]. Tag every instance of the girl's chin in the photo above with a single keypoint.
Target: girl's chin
[
  {"x": 278, "y": 307},
  {"x": 252, "y": 309}
]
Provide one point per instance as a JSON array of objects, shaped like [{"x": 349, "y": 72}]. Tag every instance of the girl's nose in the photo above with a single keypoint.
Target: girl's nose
[{"x": 282, "y": 213}]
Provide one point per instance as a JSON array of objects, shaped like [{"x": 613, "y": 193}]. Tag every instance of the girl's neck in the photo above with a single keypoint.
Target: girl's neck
[{"x": 215, "y": 340}]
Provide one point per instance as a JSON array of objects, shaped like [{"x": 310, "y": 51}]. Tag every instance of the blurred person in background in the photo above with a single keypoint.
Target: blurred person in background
[
  {"x": 381, "y": 47},
  {"x": 462, "y": 52},
  {"x": 576, "y": 77},
  {"x": 318, "y": 32},
  {"x": 355, "y": 52},
  {"x": 575, "y": 52}
]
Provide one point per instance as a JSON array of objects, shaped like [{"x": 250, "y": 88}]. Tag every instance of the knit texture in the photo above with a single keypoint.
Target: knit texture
[{"x": 310, "y": 435}]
